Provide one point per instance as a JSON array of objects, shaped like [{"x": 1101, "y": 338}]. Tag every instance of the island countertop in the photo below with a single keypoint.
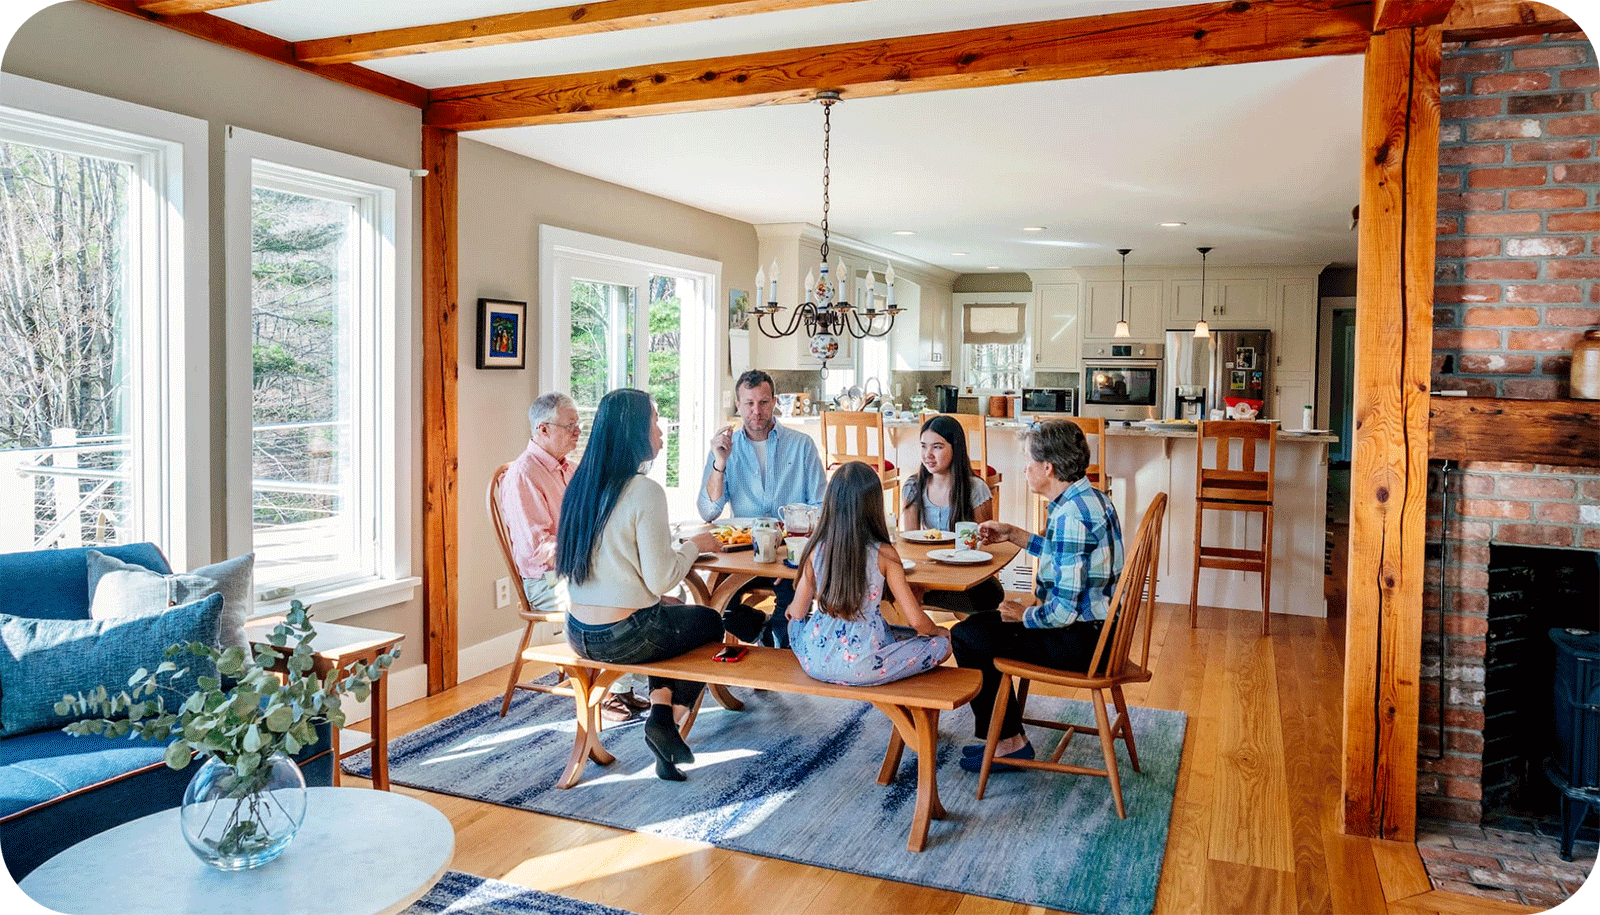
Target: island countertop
[{"x": 1141, "y": 462}]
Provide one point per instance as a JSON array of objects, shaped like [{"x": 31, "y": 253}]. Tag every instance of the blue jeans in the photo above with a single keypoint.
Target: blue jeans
[{"x": 652, "y": 634}]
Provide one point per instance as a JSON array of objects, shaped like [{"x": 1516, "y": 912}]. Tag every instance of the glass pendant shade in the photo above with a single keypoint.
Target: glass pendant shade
[
  {"x": 1202, "y": 329},
  {"x": 1122, "y": 329}
]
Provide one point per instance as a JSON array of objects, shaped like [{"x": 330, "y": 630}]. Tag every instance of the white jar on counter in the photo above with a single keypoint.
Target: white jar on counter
[{"x": 1307, "y": 416}]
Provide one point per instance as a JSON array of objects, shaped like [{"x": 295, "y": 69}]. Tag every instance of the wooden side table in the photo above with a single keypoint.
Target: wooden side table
[{"x": 337, "y": 646}]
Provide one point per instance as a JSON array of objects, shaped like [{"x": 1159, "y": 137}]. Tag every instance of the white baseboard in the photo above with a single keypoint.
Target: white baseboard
[
  {"x": 483, "y": 657},
  {"x": 404, "y": 686},
  {"x": 411, "y": 684}
]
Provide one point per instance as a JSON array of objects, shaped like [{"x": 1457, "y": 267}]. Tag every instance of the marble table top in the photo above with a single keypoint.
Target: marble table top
[{"x": 358, "y": 851}]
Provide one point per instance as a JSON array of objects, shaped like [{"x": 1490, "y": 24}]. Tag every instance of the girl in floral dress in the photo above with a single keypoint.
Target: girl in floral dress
[{"x": 845, "y": 567}]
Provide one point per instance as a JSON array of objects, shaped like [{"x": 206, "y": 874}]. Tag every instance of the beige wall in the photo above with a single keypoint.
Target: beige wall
[{"x": 504, "y": 198}]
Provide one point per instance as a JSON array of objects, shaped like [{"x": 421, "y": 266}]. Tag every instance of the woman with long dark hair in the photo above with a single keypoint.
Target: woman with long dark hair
[
  {"x": 614, "y": 547},
  {"x": 943, "y": 491},
  {"x": 848, "y": 563}
]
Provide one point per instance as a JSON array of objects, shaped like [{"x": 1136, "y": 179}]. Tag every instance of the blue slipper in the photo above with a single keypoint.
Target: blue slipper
[
  {"x": 975, "y": 763},
  {"x": 972, "y": 749}
]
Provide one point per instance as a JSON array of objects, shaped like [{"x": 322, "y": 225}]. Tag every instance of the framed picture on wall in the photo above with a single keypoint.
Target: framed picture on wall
[{"x": 502, "y": 334}]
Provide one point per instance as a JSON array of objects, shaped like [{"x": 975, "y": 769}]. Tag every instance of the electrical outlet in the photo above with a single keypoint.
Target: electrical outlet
[{"x": 502, "y": 592}]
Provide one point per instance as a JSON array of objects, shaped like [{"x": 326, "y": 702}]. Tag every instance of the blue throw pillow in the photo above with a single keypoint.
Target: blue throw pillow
[{"x": 42, "y": 660}]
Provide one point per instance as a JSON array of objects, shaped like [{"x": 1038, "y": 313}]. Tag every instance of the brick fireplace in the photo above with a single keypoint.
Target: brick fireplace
[{"x": 1517, "y": 282}]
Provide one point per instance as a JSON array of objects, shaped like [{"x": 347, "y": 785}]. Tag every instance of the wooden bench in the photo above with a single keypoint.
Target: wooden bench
[{"x": 912, "y": 705}]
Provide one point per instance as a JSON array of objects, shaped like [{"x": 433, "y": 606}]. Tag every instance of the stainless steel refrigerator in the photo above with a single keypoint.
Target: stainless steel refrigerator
[{"x": 1213, "y": 373}]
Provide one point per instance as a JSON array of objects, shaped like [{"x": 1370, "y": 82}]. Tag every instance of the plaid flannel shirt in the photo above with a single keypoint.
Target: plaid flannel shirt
[{"x": 1080, "y": 557}]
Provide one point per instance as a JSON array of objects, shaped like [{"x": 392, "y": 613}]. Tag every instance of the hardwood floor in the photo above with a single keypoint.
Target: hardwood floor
[{"x": 1254, "y": 821}]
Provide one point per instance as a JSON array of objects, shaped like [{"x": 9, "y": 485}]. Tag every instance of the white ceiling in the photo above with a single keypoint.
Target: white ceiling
[{"x": 1260, "y": 160}]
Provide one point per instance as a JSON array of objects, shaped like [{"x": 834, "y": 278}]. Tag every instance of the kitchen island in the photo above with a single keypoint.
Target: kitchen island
[{"x": 1142, "y": 462}]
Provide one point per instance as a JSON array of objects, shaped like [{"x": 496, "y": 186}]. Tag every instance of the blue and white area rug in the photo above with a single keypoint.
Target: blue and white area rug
[
  {"x": 795, "y": 777},
  {"x": 464, "y": 894}
]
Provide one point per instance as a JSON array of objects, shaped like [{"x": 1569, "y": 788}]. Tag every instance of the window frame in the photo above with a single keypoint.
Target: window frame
[
  {"x": 384, "y": 360},
  {"x": 169, "y": 316}
]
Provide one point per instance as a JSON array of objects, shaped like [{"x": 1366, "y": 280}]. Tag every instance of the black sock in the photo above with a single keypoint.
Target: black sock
[{"x": 662, "y": 714}]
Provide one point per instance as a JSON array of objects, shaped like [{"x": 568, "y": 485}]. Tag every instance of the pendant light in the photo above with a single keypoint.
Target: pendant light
[
  {"x": 1201, "y": 328},
  {"x": 1122, "y": 325}
]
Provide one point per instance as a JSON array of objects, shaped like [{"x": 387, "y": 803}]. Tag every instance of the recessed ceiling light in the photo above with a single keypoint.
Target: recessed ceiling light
[
  {"x": 1172, "y": 225},
  {"x": 992, "y": 267},
  {"x": 1033, "y": 228},
  {"x": 958, "y": 254},
  {"x": 904, "y": 232}
]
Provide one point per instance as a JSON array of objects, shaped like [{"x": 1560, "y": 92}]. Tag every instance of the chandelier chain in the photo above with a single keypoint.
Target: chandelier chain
[{"x": 827, "y": 130}]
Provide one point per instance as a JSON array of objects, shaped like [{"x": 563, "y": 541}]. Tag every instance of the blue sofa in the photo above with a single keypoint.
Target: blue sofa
[{"x": 55, "y": 789}]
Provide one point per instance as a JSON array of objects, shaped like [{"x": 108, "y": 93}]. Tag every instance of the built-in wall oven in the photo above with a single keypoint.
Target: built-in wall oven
[{"x": 1123, "y": 380}]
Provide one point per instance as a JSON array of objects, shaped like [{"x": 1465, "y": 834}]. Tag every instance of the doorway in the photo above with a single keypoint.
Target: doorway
[{"x": 622, "y": 315}]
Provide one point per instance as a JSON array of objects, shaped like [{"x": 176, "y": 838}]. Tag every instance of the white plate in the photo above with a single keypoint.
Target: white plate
[
  {"x": 961, "y": 557},
  {"x": 740, "y": 522},
  {"x": 917, "y": 536}
]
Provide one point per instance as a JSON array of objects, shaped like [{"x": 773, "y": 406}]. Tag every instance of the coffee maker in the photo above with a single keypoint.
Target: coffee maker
[
  {"x": 1190, "y": 402},
  {"x": 944, "y": 397}
]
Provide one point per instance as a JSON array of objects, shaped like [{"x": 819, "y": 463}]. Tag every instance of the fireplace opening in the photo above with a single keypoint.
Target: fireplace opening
[{"x": 1531, "y": 591}]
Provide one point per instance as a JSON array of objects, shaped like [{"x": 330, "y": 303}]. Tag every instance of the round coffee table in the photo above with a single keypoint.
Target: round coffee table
[{"x": 359, "y": 852}]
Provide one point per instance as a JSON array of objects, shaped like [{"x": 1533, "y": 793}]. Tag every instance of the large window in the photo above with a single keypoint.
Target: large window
[
  {"x": 320, "y": 398},
  {"x": 103, "y": 437}
]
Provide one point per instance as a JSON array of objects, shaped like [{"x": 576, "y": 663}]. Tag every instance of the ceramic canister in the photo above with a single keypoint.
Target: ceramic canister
[{"x": 1586, "y": 367}]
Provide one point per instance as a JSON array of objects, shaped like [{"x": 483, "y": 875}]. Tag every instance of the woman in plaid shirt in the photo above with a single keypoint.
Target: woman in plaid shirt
[{"x": 1080, "y": 557}]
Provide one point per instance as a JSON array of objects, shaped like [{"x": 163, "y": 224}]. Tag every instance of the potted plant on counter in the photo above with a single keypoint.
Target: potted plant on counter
[{"x": 246, "y": 802}]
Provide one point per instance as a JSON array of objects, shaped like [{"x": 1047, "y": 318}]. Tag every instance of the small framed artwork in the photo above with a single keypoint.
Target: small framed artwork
[
  {"x": 502, "y": 334},
  {"x": 738, "y": 309},
  {"x": 1245, "y": 356},
  {"x": 1237, "y": 382}
]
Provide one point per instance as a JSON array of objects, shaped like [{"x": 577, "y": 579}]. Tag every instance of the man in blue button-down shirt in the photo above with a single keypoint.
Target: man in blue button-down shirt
[{"x": 757, "y": 470}]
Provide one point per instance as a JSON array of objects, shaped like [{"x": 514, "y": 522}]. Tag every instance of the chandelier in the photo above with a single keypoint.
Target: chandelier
[{"x": 824, "y": 313}]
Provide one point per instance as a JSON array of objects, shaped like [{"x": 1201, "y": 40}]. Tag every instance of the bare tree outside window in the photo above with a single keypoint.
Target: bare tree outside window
[{"x": 63, "y": 345}]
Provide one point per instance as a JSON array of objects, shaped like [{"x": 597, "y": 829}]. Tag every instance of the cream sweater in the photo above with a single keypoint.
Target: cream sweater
[{"x": 634, "y": 562}]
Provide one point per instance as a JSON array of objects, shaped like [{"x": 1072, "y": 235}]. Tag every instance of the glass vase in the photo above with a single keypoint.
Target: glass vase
[{"x": 235, "y": 822}]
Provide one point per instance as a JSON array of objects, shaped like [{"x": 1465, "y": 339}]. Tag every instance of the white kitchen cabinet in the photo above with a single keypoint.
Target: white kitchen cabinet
[
  {"x": 935, "y": 321},
  {"x": 1146, "y": 320},
  {"x": 1297, "y": 325},
  {"x": 1291, "y": 392},
  {"x": 1243, "y": 302},
  {"x": 1056, "y": 329},
  {"x": 1185, "y": 302}
]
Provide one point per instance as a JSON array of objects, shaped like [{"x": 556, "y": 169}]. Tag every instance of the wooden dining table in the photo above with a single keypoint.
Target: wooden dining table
[{"x": 716, "y": 578}]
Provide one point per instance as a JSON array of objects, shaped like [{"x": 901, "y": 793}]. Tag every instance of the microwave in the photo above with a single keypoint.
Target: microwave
[{"x": 1047, "y": 400}]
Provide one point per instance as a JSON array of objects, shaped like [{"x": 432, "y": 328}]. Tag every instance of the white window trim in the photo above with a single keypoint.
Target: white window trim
[
  {"x": 700, "y": 326},
  {"x": 172, "y": 325},
  {"x": 395, "y": 508}
]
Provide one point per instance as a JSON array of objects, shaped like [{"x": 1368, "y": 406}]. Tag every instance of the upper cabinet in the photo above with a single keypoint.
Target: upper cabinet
[
  {"x": 1297, "y": 324},
  {"x": 1056, "y": 331},
  {"x": 1104, "y": 308},
  {"x": 1228, "y": 302}
]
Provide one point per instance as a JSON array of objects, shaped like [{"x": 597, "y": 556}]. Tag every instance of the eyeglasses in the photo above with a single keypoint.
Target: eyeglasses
[{"x": 575, "y": 428}]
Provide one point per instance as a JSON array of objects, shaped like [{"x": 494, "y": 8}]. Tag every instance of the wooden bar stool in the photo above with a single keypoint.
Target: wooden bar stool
[
  {"x": 859, "y": 436},
  {"x": 1224, "y": 486},
  {"x": 978, "y": 452}
]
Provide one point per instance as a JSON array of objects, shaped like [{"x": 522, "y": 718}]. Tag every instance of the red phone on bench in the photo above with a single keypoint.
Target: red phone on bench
[{"x": 731, "y": 653}]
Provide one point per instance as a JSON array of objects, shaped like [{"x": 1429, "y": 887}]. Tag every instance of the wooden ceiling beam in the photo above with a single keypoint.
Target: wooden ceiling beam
[
  {"x": 535, "y": 25},
  {"x": 259, "y": 44},
  {"x": 1405, "y": 14},
  {"x": 1476, "y": 20},
  {"x": 1560, "y": 432},
  {"x": 1144, "y": 41},
  {"x": 176, "y": 7}
]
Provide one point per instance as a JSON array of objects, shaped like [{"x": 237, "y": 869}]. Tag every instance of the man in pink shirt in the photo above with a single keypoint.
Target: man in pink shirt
[{"x": 530, "y": 501}]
